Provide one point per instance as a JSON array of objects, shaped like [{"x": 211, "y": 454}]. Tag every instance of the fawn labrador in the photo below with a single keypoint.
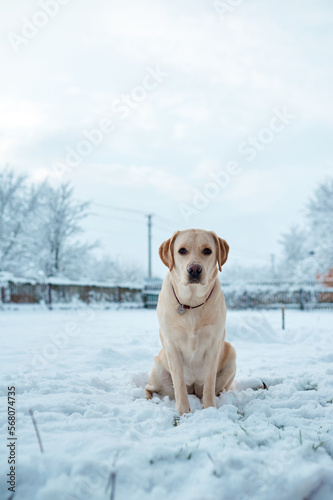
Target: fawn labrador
[{"x": 195, "y": 359}]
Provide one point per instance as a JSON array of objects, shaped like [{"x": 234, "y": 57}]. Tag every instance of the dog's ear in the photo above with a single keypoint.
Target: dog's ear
[
  {"x": 222, "y": 248},
  {"x": 166, "y": 251}
]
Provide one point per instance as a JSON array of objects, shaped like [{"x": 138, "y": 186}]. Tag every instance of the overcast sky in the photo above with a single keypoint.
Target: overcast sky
[{"x": 183, "y": 91}]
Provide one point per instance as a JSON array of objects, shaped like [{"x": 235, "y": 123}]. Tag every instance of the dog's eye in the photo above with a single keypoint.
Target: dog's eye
[
  {"x": 182, "y": 251},
  {"x": 207, "y": 251}
]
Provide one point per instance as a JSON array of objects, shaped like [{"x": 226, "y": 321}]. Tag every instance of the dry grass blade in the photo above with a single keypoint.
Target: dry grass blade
[
  {"x": 314, "y": 491},
  {"x": 112, "y": 479},
  {"x": 36, "y": 430}
]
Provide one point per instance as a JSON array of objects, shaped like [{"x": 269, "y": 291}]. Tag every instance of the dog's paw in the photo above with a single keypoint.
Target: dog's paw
[
  {"x": 183, "y": 409},
  {"x": 149, "y": 394},
  {"x": 209, "y": 404}
]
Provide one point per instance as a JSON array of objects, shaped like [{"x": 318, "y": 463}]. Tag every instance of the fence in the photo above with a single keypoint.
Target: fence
[
  {"x": 252, "y": 295},
  {"x": 302, "y": 295},
  {"x": 51, "y": 293},
  {"x": 150, "y": 293}
]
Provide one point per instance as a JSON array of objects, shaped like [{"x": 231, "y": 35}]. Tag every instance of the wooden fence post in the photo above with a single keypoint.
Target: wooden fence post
[
  {"x": 282, "y": 310},
  {"x": 301, "y": 297},
  {"x": 50, "y": 295}
]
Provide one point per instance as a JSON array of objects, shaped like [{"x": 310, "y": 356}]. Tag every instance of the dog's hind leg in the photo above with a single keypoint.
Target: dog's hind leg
[
  {"x": 226, "y": 374},
  {"x": 160, "y": 380}
]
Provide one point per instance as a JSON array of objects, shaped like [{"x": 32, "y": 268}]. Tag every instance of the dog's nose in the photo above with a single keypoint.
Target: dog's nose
[{"x": 194, "y": 270}]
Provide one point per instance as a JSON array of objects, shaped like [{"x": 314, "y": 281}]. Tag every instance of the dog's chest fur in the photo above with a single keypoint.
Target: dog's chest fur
[
  {"x": 193, "y": 342},
  {"x": 193, "y": 351}
]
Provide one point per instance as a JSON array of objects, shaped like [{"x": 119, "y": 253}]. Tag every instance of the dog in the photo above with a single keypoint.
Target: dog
[{"x": 195, "y": 358}]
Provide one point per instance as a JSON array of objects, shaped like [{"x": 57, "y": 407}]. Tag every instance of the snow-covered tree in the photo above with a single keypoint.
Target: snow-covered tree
[
  {"x": 237, "y": 272},
  {"x": 309, "y": 252},
  {"x": 18, "y": 209},
  {"x": 109, "y": 269},
  {"x": 59, "y": 249},
  {"x": 294, "y": 243},
  {"x": 40, "y": 229},
  {"x": 320, "y": 217}
]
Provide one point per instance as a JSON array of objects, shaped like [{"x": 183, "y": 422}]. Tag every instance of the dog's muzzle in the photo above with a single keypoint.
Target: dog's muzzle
[{"x": 194, "y": 271}]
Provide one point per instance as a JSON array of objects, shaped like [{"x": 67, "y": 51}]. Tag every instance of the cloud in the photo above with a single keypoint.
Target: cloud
[
  {"x": 157, "y": 179},
  {"x": 21, "y": 115},
  {"x": 225, "y": 77}
]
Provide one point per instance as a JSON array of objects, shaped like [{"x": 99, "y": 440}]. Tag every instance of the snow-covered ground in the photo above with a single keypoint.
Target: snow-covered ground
[{"x": 83, "y": 374}]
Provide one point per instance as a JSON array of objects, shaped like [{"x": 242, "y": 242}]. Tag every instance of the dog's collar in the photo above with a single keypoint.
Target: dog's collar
[{"x": 182, "y": 307}]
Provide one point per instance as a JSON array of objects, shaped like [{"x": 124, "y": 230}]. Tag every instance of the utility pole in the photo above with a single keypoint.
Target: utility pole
[
  {"x": 149, "y": 217},
  {"x": 273, "y": 265}
]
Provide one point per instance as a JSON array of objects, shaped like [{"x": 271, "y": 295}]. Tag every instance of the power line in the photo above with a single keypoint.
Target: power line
[
  {"x": 168, "y": 221},
  {"x": 111, "y": 207},
  {"x": 163, "y": 228},
  {"x": 112, "y": 217},
  {"x": 114, "y": 231}
]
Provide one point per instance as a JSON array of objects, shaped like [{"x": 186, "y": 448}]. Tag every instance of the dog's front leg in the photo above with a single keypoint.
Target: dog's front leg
[
  {"x": 210, "y": 364},
  {"x": 176, "y": 367}
]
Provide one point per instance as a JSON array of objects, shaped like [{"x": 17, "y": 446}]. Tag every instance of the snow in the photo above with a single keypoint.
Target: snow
[
  {"x": 83, "y": 374},
  {"x": 63, "y": 280}
]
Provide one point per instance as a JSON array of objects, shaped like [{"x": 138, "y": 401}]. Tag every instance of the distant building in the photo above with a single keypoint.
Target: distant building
[{"x": 326, "y": 279}]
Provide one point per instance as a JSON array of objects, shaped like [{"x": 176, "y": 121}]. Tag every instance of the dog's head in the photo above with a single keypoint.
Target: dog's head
[{"x": 193, "y": 255}]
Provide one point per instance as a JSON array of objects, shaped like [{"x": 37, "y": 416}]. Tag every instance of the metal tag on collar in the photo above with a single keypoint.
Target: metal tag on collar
[{"x": 181, "y": 310}]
